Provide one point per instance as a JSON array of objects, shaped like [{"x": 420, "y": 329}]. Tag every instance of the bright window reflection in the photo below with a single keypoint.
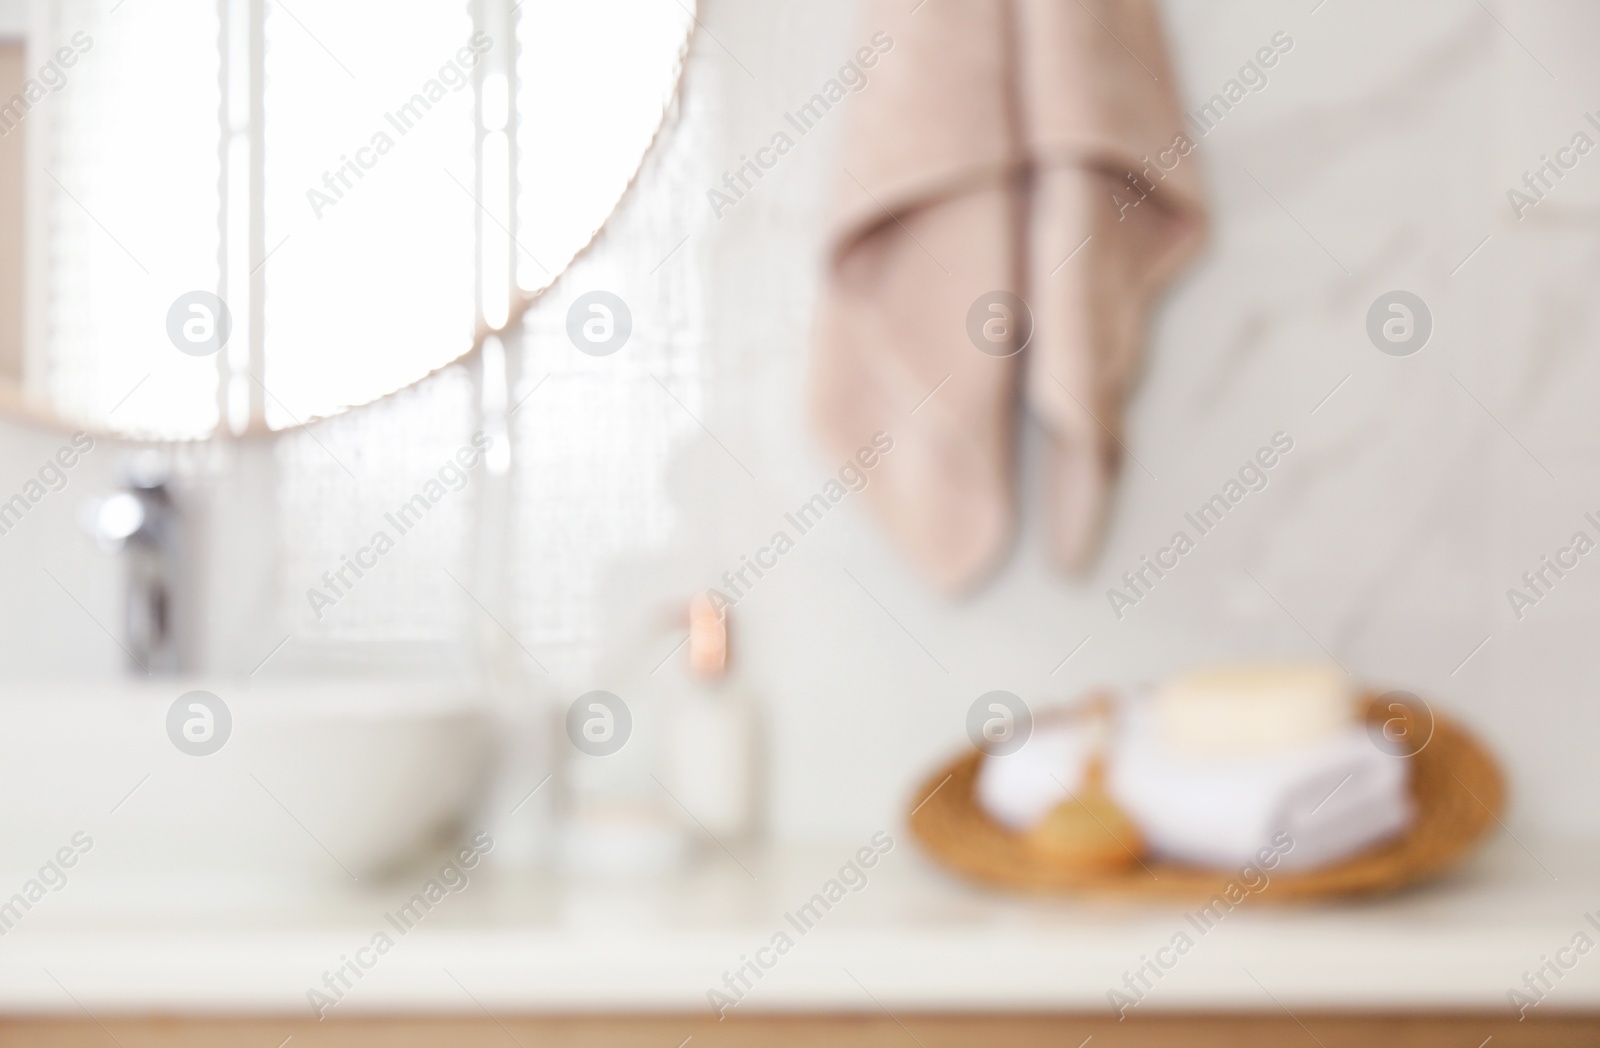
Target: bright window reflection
[
  {"x": 139, "y": 100},
  {"x": 585, "y": 116},
  {"x": 395, "y": 212},
  {"x": 369, "y": 200}
]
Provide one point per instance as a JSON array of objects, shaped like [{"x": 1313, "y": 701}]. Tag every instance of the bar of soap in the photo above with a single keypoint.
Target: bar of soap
[{"x": 1252, "y": 709}]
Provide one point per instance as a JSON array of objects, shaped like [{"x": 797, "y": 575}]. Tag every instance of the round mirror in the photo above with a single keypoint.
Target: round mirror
[{"x": 233, "y": 216}]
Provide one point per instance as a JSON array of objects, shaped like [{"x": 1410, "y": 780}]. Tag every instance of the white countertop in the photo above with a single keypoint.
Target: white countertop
[{"x": 911, "y": 940}]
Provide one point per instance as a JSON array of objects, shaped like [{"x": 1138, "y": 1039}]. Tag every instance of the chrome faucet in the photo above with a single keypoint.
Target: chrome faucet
[{"x": 141, "y": 523}]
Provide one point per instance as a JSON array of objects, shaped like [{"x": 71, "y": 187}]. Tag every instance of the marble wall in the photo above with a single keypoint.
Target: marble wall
[{"x": 1376, "y": 158}]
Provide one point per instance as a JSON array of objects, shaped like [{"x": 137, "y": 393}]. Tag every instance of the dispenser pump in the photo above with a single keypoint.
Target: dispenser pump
[{"x": 708, "y": 639}]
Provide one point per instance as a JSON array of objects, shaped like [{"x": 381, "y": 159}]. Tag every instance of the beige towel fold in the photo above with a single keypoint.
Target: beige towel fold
[{"x": 996, "y": 139}]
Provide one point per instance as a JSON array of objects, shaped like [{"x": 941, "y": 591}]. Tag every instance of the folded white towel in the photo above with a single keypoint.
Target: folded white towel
[
  {"x": 1019, "y": 789},
  {"x": 1333, "y": 798}
]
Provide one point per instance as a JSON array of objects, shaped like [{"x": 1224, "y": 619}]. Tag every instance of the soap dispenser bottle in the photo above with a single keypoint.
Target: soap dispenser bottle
[{"x": 711, "y": 751}]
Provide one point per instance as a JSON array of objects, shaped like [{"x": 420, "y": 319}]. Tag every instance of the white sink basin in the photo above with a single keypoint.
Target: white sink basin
[{"x": 316, "y": 782}]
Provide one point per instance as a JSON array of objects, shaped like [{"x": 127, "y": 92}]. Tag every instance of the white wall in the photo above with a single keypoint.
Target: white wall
[
  {"x": 1389, "y": 536},
  {"x": 15, "y": 18},
  {"x": 53, "y": 627}
]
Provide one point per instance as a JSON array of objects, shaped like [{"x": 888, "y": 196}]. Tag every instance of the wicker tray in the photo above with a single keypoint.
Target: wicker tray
[{"x": 1458, "y": 788}]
